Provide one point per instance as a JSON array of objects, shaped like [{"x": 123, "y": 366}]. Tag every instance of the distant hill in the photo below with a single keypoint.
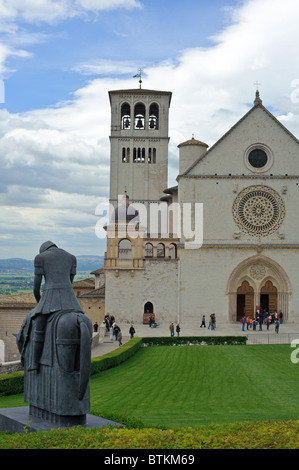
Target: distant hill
[{"x": 16, "y": 265}]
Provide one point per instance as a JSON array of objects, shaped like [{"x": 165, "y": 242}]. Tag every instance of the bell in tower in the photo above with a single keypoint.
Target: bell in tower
[{"x": 139, "y": 124}]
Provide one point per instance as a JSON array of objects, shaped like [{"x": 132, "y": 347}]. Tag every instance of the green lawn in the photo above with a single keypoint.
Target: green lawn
[{"x": 195, "y": 385}]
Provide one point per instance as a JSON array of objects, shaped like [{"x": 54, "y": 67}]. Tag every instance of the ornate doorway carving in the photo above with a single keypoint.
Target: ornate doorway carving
[{"x": 263, "y": 283}]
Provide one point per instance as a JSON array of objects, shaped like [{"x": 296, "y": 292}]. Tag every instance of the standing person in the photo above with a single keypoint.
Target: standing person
[
  {"x": 261, "y": 322},
  {"x": 213, "y": 321},
  {"x": 171, "y": 328},
  {"x": 106, "y": 320},
  {"x": 116, "y": 330},
  {"x": 210, "y": 322},
  {"x": 268, "y": 322},
  {"x": 203, "y": 321},
  {"x": 280, "y": 317},
  {"x": 247, "y": 322},
  {"x": 111, "y": 332},
  {"x": 132, "y": 331},
  {"x": 243, "y": 321},
  {"x": 95, "y": 327},
  {"x": 178, "y": 329},
  {"x": 276, "y": 325},
  {"x": 119, "y": 336}
]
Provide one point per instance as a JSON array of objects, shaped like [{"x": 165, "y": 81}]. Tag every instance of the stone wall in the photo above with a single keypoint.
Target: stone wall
[{"x": 127, "y": 291}]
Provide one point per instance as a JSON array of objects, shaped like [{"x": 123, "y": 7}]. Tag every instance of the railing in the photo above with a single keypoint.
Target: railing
[{"x": 272, "y": 338}]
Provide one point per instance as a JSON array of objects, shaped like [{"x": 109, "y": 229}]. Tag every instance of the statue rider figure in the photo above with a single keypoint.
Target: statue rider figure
[{"x": 58, "y": 268}]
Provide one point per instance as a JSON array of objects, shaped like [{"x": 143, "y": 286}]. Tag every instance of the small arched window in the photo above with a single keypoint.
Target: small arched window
[
  {"x": 160, "y": 250},
  {"x": 125, "y": 155},
  {"x": 148, "y": 250},
  {"x": 172, "y": 251},
  {"x": 125, "y": 249},
  {"x": 126, "y": 116}
]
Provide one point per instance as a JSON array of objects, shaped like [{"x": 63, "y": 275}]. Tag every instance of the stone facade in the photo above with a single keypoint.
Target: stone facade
[{"x": 247, "y": 184}]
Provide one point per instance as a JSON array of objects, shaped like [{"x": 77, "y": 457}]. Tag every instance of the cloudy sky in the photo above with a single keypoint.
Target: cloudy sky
[{"x": 59, "y": 59}]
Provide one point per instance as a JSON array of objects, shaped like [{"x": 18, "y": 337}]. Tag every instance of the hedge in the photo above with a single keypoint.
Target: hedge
[
  {"x": 116, "y": 357},
  {"x": 194, "y": 340},
  {"x": 12, "y": 384}
]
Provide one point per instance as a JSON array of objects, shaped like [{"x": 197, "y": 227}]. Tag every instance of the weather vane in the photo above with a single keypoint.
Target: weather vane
[{"x": 139, "y": 75}]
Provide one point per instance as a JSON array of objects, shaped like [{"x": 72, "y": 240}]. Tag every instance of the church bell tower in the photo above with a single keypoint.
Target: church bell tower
[{"x": 139, "y": 145}]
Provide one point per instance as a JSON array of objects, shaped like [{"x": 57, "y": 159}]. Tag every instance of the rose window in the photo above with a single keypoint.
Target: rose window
[{"x": 258, "y": 210}]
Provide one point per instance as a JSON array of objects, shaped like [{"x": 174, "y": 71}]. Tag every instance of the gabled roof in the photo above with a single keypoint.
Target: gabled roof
[
  {"x": 257, "y": 104},
  {"x": 88, "y": 282}
]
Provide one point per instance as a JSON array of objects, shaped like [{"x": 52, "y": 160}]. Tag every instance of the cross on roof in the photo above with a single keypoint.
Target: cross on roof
[{"x": 257, "y": 83}]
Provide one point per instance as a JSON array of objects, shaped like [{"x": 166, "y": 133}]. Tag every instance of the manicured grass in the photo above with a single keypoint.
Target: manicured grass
[
  {"x": 188, "y": 386},
  {"x": 198, "y": 385}
]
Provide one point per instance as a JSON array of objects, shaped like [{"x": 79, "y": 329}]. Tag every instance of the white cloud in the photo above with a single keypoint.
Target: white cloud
[
  {"x": 62, "y": 153},
  {"x": 53, "y": 11}
]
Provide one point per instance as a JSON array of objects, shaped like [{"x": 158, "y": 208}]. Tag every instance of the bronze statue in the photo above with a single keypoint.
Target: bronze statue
[{"x": 55, "y": 342}]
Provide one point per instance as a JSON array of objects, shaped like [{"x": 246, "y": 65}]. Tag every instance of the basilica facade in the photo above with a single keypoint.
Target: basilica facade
[{"x": 224, "y": 240}]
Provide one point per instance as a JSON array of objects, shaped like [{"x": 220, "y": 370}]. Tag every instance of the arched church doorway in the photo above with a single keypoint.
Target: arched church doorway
[
  {"x": 245, "y": 300},
  {"x": 256, "y": 283},
  {"x": 268, "y": 301},
  {"x": 148, "y": 312}
]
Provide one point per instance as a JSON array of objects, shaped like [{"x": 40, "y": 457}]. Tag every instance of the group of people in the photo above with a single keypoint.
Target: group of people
[
  {"x": 113, "y": 328},
  {"x": 262, "y": 318},
  {"x": 177, "y": 329},
  {"x": 212, "y": 322}
]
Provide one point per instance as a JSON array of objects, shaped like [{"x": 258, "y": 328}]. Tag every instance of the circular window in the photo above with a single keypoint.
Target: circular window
[
  {"x": 258, "y": 158},
  {"x": 258, "y": 210}
]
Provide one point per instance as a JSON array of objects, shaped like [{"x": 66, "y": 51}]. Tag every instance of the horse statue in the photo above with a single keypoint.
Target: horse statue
[{"x": 55, "y": 343}]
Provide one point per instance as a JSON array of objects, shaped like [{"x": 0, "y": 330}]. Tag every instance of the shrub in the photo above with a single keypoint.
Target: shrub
[
  {"x": 115, "y": 357},
  {"x": 194, "y": 340},
  {"x": 11, "y": 384}
]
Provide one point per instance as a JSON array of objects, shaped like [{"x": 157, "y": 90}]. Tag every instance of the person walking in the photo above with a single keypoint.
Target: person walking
[
  {"x": 119, "y": 336},
  {"x": 276, "y": 325},
  {"x": 203, "y": 321},
  {"x": 116, "y": 330},
  {"x": 171, "y": 328}
]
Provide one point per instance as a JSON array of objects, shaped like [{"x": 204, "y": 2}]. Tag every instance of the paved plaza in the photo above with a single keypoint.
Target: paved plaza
[{"x": 287, "y": 333}]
